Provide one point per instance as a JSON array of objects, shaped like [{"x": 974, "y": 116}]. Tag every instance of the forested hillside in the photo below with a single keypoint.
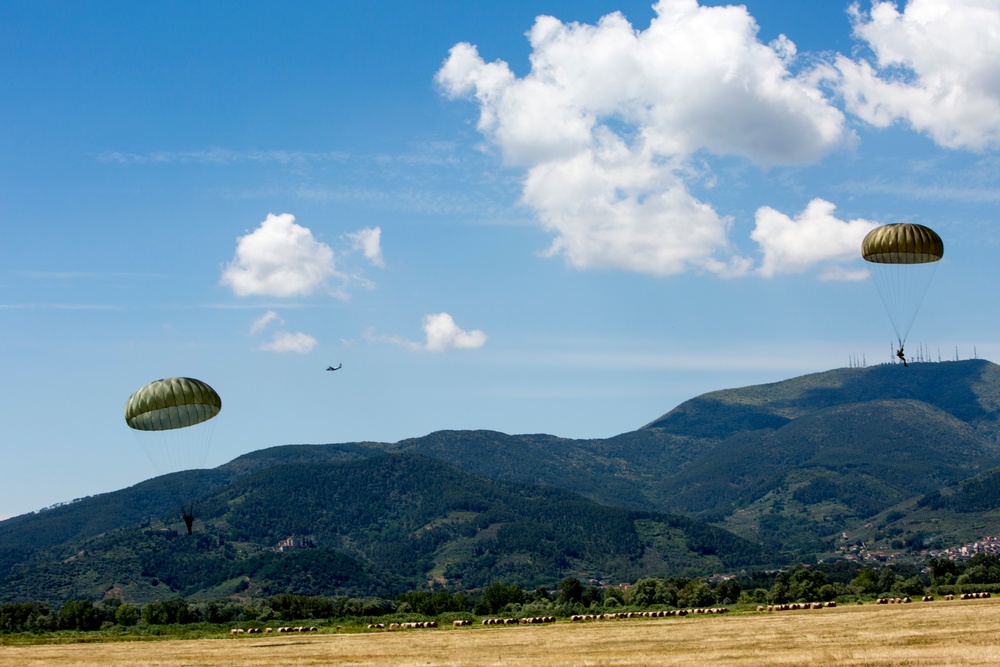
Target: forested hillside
[
  {"x": 793, "y": 464},
  {"x": 377, "y": 526},
  {"x": 886, "y": 456}
]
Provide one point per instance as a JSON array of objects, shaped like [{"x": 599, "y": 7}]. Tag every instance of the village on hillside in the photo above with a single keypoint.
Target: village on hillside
[{"x": 986, "y": 545}]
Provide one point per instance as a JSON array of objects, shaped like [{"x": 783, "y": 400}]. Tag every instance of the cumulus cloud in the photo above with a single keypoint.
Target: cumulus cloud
[
  {"x": 284, "y": 342},
  {"x": 440, "y": 332},
  {"x": 936, "y": 66},
  {"x": 280, "y": 258},
  {"x": 609, "y": 210},
  {"x": 369, "y": 242},
  {"x": 264, "y": 321},
  {"x": 608, "y": 117},
  {"x": 815, "y": 237},
  {"x": 443, "y": 334}
]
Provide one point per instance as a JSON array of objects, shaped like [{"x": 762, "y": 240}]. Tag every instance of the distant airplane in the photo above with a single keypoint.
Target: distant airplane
[{"x": 331, "y": 368}]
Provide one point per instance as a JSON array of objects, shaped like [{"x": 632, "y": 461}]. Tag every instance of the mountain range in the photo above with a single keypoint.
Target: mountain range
[{"x": 877, "y": 458}]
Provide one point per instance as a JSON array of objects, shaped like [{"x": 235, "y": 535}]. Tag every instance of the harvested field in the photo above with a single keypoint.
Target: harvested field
[{"x": 933, "y": 634}]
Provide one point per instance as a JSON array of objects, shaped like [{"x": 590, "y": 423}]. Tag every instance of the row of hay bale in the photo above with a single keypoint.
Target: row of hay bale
[
  {"x": 648, "y": 614},
  {"x": 257, "y": 631},
  {"x": 410, "y": 625},
  {"x": 930, "y": 598},
  {"x": 792, "y": 606},
  {"x": 413, "y": 625},
  {"x": 611, "y": 616}
]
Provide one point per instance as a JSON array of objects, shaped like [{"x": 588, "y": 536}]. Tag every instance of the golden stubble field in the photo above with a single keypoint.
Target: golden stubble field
[{"x": 936, "y": 633}]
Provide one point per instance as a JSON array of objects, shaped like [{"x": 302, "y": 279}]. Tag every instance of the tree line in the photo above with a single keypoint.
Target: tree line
[{"x": 821, "y": 582}]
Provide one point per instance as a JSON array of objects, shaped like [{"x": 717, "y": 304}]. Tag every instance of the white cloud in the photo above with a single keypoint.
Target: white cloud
[
  {"x": 283, "y": 342},
  {"x": 264, "y": 321},
  {"x": 608, "y": 116},
  {"x": 937, "y": 67},
  {"x": 369, "y": 241},
  {"x": 612, "y": 210},
  {"x": 815, "y": 237},
  {"x": 280, "y": 258},
  {"x": 441, "y": 333}
]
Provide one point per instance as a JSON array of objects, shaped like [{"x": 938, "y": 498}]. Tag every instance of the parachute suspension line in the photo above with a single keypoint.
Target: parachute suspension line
[
  {"x": 902, "y": 290},
  {"x": 178, "y": 449},
  {"x": 153, "y": 445},
  {"x": 172, "y": 420},
  {"x": 903, "y": 258}
]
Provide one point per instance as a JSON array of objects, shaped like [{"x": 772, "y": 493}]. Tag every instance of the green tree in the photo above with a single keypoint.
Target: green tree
[
  {"x": 106, "y": 609},
  {"x": 570, "y": 590},
  {"x": 614, "y": 597},
  {"x": 728, "y": 591},
  {"x": 944, "y": 571},
  {"x": 78, "y": 615},
  {"x": 126, "y": 615},
  {"x": 778, "y": 593},
  {"x": 653, "y": 591},
  {"x": 497, "y": 596},
  {"x": 167, "y": 612},
  {"x": 696, "y": 593},
  {"x": 804, "y": 584},
  {"x": 912, "y": 586},
  {"x": 981, "y": 569},
  {"x": 593, "y": 596},
  {"x": 667, "y": 593},
  {"x": 866, "y": 583},
  {"x": 25, "y": 617},
  {"x": 432, "y": 604},
  {"x": 886, "y": 580},
  {"x": 541, "y": 594},
  {"x": 644, "y": 593}
]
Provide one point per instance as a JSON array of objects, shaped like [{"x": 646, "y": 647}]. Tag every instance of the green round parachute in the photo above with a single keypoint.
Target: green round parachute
[
  {"x": 171, "y": 403},
  {"x": 168, "y": 419},
  {"x": 902, "y": 243},
  {"x": 903, "y": 259}
]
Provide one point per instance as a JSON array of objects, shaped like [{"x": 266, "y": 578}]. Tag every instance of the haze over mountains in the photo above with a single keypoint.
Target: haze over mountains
[{"x": 759, "y": 476}]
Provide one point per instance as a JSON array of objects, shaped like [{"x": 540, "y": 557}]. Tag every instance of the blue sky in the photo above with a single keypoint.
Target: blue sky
[{"x": 566, "y": 224}]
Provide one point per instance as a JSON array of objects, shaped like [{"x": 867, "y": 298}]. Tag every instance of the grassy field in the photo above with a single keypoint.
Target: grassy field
[{"x": 933, "y": 634}]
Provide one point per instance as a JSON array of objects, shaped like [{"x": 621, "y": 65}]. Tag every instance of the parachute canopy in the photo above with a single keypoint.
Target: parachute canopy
[
  {"x": 171, "y": 403},
  {"x": 903, "y": 259},
  {"x": 902, "y": 243}
]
